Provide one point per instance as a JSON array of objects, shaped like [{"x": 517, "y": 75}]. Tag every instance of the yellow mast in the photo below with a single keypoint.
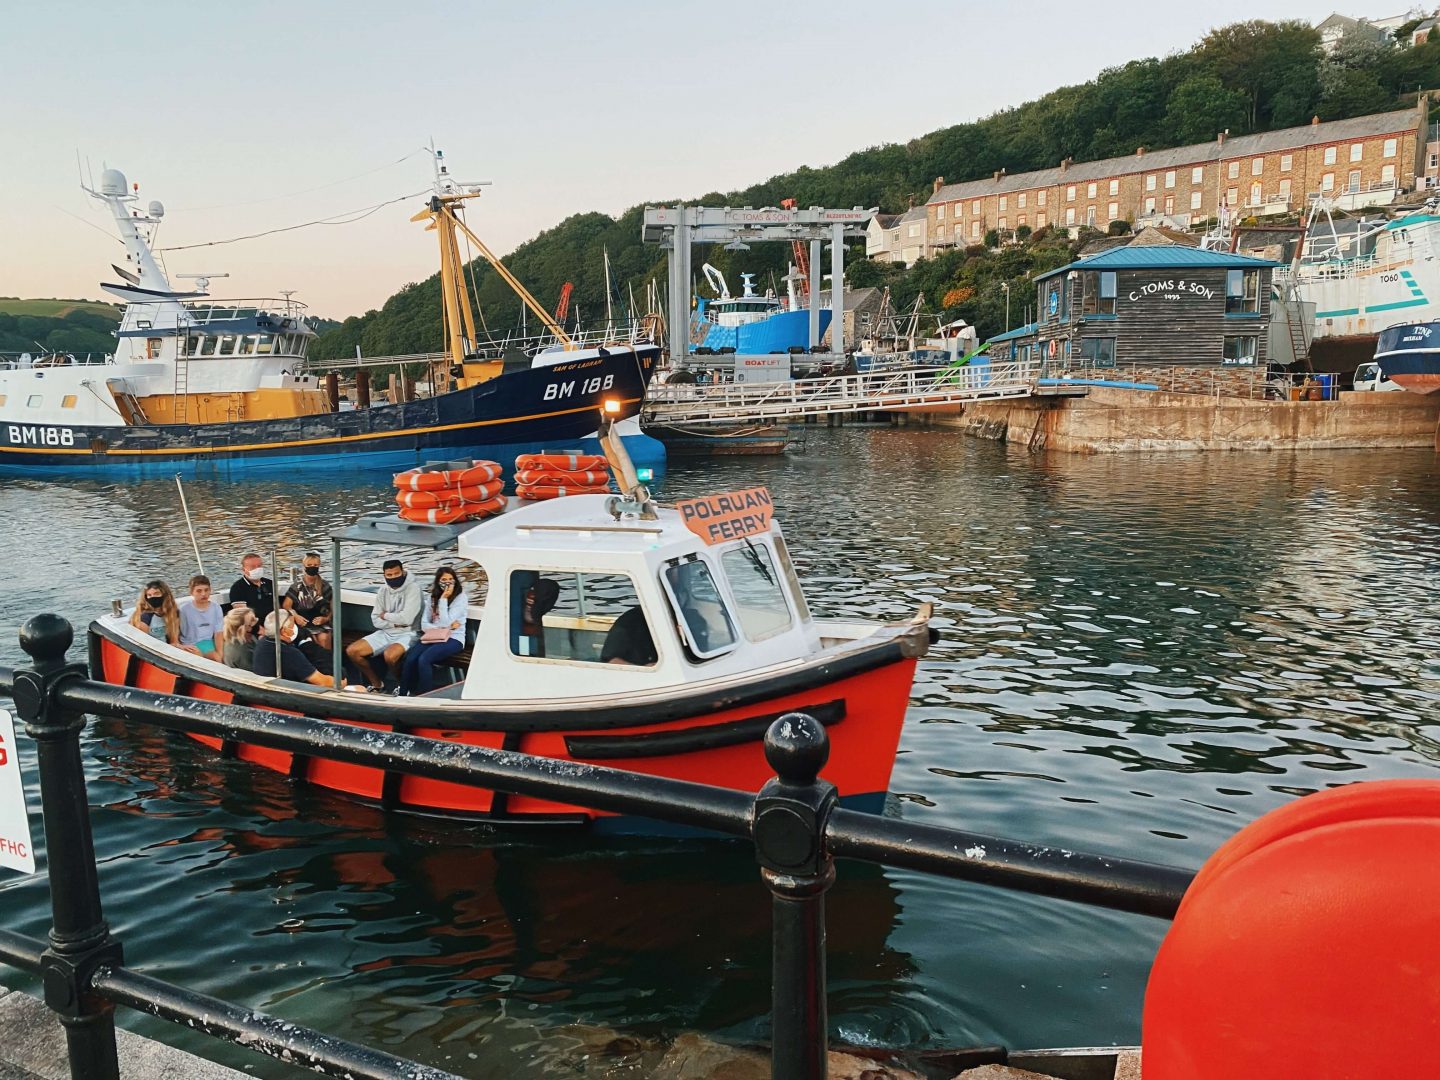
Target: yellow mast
[{"x": 460, "y": 323}]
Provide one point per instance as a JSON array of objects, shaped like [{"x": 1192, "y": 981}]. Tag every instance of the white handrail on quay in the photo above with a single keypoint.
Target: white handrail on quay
[{"x": 895, "y": 389}]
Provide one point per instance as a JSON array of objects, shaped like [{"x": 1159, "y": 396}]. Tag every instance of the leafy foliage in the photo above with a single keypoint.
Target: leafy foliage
[{"x": 77, "y": 326}]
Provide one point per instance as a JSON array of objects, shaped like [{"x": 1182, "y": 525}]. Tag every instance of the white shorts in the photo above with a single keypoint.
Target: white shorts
[{"x": 381, "y": 640}]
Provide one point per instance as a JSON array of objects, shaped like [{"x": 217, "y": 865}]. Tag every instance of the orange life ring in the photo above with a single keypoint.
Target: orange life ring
[
  {"x": 555, "y": 491},
  {"x": 451, "y": 514},
  {"x": 1054, "y": 348},
  {"x": 479, "y": 472},
  {"x": 579, "y": 478},
  {"x": 426, "y": 500},
  {"x": 563, "y": 462}
]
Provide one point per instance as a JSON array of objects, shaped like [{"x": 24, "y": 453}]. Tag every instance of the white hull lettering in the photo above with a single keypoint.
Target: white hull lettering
[
  {"x": 25, "y": 435},
  {"x": 559, "y": 391}
]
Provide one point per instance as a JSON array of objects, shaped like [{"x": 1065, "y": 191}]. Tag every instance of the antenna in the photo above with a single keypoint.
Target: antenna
[
  {"x": 202, "y": 281},
  {"x": 445, "y": 184}
]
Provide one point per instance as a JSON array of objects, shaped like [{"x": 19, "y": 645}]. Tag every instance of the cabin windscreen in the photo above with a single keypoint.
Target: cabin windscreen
[
  {"x": 755, "y": 584},
  {"x": 802, "y": 607},
  {"x": 704, "y": 623},
  {"x": 570, "y": 616}
]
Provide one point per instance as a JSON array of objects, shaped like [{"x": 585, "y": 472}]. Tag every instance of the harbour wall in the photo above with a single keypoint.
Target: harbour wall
[{"x": 1110, "y": 420}]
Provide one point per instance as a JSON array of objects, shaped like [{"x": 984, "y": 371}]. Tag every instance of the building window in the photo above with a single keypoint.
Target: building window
[
  {"x": 1040, "y": 220},
  {"x": 1169, "y": 205},
  {"x": 1353, "y": 183},
  {"x": 1285, "y": 190},
  {"x": 1021, "y": 222},
  {"x": 1020, "y": 200},
  {"x": 974, "y": 230},
  {"x": 1327, "y": 182},
  {"x": 1002, "y": 202},
  {"x": 1040, "y": 198},
  {"x": 1329, "y": 155},
  {"x": 1257, "y": 166},
  {"x": 1150, "y": 182},
  {"x": 1070, "y": 215},
  {"x": 958, "y": 234},
  {"x": 1239, "y": 351},
  {"x": 1090, "y": 191},
  {"x": 1114, "y": 187},
  {"x": 1435, "y": 161},
  {"x": 1105, "y": 301},
  {"x": 1285, "y": 162},
  {"x": 1170, "y": 179},
  {"x": 940, "y": 212},
  {"x": 1387, "y": 174},
  {"x": 1234, "y": 169},
  {"x": 1099, "y": 351},
  {"x": 1090, "y": 216},
  {"x": 1197, "y": 174},
  {"x": 1242, "y": 292},
  {"x": 1232, "y": 196},
  {"x": 914, "y": 231},
  {"x": 1356, "y": 150},
  {"x": 1194, "y": 200},
  {"x": 1389, "y": 150},
  {"x": 1114, "y": 211},
  {"x": 33, "y": 401},
  {"x": 1150, "y": 204},
  {"x": 1257, "y": 194},
  {"x": 68, "y": 401},
  {"x": 1070, "y": 193},
  {"x": 975, "y": 206},
  {"x": 1002, "y": 224}
]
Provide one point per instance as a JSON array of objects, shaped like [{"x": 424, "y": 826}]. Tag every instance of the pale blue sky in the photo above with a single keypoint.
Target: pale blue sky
[{"x": 236, "y": 107}]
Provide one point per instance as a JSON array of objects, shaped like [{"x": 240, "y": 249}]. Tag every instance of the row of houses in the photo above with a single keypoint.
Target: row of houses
[{"x": 1360, "y": 162}]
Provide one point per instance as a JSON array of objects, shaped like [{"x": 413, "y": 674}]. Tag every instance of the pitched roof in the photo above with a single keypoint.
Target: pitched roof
[
  {"x": 915, "y": 213},
  {"x": 1161, "y": 257},
  {"x": 1265, "y": 142}
]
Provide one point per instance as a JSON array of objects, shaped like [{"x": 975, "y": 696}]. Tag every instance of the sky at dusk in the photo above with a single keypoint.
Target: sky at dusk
[{"x": 250, "y": 116}]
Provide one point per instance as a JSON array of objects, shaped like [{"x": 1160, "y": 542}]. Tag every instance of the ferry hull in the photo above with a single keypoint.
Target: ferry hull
[
  {"x": 861, "y": 700},
  {"x": 519, "y": 412}
]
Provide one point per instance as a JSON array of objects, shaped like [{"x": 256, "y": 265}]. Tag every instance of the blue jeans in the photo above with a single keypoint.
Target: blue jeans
[{"x": 417, "y": 673}]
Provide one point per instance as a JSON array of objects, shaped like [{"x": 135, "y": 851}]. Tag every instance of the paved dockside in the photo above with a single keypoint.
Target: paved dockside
[{"x": 33, "y": 1048}]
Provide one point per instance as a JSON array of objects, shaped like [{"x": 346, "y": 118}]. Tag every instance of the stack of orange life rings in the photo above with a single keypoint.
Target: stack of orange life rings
[
  {"x": 445, "y": 496},
  {"x": 549, "y": 476}
]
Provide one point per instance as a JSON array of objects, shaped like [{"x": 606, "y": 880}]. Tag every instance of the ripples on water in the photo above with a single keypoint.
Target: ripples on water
[{"x": 1140, "y": 654}]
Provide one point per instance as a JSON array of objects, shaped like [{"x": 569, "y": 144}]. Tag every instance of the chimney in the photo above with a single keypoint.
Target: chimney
[
  {"x": 939, "y": 183},
  {"x": 1314, "y": 120},
  {"x": 912, "y": 202},
  {"x": 1065, "y": 163},
  {"x": 1220, "y": 138},
  {"x": 1139, "y": 151},
  {"x": 997, "y": 174}
]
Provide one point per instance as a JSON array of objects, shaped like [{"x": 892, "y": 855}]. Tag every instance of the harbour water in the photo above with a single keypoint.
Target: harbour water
[{"x": 1141, "y": 653}]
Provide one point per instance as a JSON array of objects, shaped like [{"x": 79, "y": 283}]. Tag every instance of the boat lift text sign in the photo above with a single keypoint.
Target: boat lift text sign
[
  {"x": 16, "y": 851},
  {"x": 717, "y": 518}
]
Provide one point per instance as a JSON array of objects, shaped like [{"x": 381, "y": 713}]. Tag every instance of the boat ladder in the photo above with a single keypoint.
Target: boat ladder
[
  {"x": 180, "y": 409},
  {"x": 1295, "y": 323}
]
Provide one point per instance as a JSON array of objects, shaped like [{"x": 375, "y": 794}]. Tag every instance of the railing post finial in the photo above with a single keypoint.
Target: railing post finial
[{"x": 46, "y": 639}]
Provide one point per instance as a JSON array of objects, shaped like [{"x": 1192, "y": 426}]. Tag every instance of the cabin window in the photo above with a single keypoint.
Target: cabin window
[
  {"x": 265, "y": 343},
  {"x": 207, "y": 345},
  {"x": 592, "y": 618},
  {"x": 705, "y": 625},
  {"x": 247, "y": 345},
  {"x": 153, "y": 345},
  {"x": 3, "y": 398},
  {"x": 68, "y": 401},
  {"x": 33, "y": 401},
  {"x": 1240, "y": 351},
  {"x": 192, "y": 344},
  {"x": 1105, "y": 304},
  {"x": 755, "y": 584},
  {"x": 226, "y": 345},
  {"x": 788, "y": 569},
  {"x": 1242, "y": 292}
]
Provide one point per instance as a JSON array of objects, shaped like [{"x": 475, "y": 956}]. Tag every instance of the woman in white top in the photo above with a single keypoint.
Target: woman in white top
[{"x": 442, "y": 626}]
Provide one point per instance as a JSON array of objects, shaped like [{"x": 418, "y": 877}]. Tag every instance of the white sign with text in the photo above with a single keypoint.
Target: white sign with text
[{"x": 16, "y": 851}]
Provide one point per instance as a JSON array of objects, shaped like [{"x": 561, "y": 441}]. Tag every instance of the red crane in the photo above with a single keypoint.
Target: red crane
[
  {"x": 563, "y": 307},
  {"x": 802, "y": 258}
]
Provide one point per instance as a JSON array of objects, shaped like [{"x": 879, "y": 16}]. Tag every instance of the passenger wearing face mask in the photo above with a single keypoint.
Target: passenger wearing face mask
[
  {"x": 311, "y": 600},
  {"x": 253, "y": 589},
  {"x": 397, "y": 607},
  {"x": 293, "y": 664},
  {"x": 157, "y": 613}
]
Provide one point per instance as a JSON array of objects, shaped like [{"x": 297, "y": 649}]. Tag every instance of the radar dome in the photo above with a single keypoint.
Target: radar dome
[
  {"x": 112, "y": 182},
  {"x": 157, "y": 209}
]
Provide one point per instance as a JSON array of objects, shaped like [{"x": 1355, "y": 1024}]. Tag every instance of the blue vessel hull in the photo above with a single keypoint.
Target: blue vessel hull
[
  {"x": 1409, "y": 356},
  {"x": 526, "y": 411},
  {"x": 776, "y": 334}
]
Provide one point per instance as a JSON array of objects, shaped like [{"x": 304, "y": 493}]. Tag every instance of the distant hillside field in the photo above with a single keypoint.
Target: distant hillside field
[{"x": 56, "y": 309}]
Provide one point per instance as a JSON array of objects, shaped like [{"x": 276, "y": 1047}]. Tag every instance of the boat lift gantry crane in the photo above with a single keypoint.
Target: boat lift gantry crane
[{"x": 678, "y": 227}]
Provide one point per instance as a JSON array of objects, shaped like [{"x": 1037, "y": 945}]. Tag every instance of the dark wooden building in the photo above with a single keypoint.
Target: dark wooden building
[{"x": 1156, "y": 305}]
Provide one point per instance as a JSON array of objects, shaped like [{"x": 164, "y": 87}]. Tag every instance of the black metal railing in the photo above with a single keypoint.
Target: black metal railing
[{"x": 794, "y": 822}]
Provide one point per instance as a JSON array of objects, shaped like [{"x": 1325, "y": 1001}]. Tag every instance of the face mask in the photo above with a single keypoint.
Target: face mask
[
  {"x": 254, "y": 575},
  {"x": 312, "y": 571},
  {"x": 156, "y": 602},
  {"x": 396, "y": 582}
]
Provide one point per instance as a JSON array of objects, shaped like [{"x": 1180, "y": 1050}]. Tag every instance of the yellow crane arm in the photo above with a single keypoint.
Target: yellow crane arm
[{"x": 510, "y": 279}]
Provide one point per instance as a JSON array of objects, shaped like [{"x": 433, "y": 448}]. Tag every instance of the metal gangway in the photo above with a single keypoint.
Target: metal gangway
[{"x": 877, "y": 391}]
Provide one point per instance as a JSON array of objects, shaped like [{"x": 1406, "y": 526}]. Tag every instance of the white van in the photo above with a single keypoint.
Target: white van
[{"x": 1368, "y": 377}]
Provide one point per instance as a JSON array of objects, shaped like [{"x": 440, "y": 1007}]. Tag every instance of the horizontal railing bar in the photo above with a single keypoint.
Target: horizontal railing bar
[
  {"x": 595, "y": 786},
  {"x": 281, "y": 1039},
  {"x": 22, "y": 951},
  {"x": 1096, "y": 880}
]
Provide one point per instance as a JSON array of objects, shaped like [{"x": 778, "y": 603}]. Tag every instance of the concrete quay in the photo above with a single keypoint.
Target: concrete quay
[{"x": 1110, "y": 420}]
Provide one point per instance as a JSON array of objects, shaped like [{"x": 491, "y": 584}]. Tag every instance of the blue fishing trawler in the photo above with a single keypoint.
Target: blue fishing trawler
[{"x": 750, "y": 323}]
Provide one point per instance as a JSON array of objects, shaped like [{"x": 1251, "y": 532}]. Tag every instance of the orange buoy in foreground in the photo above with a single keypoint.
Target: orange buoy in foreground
[
  {"x": 441, "y": 497},
  {"x": 478, "y": 472},
  {"x": 1308, "y": 946},
  {"x": 555, "y": 491},
  {"x": 449, "y": 515},
  {"x": 563, "y": 462}
]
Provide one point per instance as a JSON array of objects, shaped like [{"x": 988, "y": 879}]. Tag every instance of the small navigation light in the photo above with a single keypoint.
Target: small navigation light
[
  {"x": 643, "y": 474},
  {"x": 610, "y": 406}
]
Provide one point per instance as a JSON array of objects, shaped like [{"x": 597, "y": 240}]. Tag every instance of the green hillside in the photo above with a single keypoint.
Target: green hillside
[
  {"x": 70, "y": 326},
  {"x": 1247, "y": 77}
]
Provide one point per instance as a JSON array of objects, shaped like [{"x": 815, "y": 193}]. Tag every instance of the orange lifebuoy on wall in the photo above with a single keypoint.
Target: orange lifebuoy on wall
[{"x": 1054, "y": 348}]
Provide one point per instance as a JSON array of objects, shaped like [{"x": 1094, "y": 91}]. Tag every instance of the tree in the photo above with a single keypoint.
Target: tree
[
  {"x": 1351, "y": 92},
  {"x": 1256, "y": 58},
  {"x": 1201, "y": 107}
]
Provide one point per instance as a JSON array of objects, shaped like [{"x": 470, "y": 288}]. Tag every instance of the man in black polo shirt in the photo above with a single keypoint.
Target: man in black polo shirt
[
  {"x": 254, "y": 588},
  {"x": 293, "y": 665}
]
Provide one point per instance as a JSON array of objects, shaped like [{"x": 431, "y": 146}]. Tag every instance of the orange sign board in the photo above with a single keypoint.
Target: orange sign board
[{"x": 717, "y": 518}]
